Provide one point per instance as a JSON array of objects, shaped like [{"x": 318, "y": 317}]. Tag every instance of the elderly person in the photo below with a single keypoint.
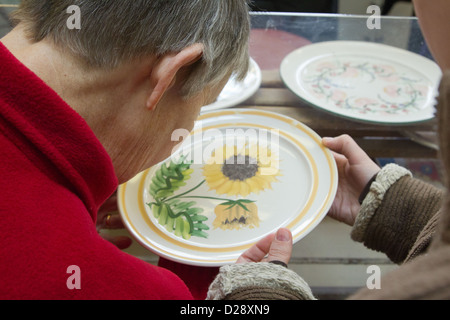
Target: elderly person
[{"x": 83, "y": 109}]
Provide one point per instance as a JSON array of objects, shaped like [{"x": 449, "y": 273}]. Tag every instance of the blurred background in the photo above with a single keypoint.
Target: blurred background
[{"x": 388, "y": 7}]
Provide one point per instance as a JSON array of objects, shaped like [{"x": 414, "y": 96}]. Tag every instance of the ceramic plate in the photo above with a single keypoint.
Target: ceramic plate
[
  {"x": 241, "y": 175},
  {"x": 364, "y": 81},
  {"x": 235, "y": 91}
]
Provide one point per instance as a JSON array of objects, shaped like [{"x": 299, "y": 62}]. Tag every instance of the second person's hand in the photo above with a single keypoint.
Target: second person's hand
[{"x": 355, "y": 169}]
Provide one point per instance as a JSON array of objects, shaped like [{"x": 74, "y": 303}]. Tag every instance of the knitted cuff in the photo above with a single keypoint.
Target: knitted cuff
[
  {"x": 267, "y": 279},
  {"x": 388, "y": 176}
]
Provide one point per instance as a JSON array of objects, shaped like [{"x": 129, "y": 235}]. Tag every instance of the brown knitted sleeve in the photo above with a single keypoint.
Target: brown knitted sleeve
[{"x": 406, "y": 208}]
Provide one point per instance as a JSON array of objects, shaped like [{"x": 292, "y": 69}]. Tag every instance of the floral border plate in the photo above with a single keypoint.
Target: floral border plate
[
  {"x": 235, "y": 91},
  {"x": 364, "y": 81},
  {"x": 241, "y": 175}
]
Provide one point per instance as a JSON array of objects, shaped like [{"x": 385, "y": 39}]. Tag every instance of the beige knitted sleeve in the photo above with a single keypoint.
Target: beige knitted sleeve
[{"x": 258, "y": 281}]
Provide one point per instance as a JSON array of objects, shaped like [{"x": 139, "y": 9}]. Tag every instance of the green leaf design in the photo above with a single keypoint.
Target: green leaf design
[
  {"x": 169, "y": 178},
  {"x": 233, "y": 203},
  {"x": 178, "y": 217}
]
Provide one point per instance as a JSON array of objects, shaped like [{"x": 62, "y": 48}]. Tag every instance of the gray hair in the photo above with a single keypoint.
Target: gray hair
[{"x": 117, "y": 31}]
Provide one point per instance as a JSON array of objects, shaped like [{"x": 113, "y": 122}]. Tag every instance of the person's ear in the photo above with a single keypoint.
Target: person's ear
[{"x": 165, "y": 70}]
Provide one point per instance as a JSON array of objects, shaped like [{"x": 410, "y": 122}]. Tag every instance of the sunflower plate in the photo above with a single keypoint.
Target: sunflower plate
[{"x": 240, "y": 175}]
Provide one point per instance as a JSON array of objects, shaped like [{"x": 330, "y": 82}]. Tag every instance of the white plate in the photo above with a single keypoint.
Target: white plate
[
  {"x": 292, "y": 186},
  {"x": 235, "y": 91},
  {"x": 364, "y": 81}
]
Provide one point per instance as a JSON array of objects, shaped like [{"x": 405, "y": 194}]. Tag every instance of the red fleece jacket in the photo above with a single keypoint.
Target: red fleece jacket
[{"x": 54, "y": 175}]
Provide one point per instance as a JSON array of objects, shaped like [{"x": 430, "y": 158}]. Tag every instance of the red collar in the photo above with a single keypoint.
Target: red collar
[{"x": 60, "y": 135}]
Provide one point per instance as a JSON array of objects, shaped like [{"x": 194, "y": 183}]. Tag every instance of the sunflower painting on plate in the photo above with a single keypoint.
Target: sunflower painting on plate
[
  {"x": 234, "y": 171},
  {"x": 240, "y": 172},
  {"x": 231, "y": 171}
]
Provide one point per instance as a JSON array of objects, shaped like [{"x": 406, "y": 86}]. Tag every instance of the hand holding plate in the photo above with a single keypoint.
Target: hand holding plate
[
  {"x": 355, "y": 170},
  {"x": 275, "y": 247}
]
